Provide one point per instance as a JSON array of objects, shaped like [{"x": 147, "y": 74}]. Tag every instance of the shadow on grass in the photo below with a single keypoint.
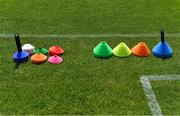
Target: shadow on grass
[
  {"x": 167, "y": 58},
  {"x": 17, "y": 65}
]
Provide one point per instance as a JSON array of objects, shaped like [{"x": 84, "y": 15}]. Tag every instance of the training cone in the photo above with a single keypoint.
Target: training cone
[
  {"x": 19, "y": 56},
  {"x": 41, "y": 50},
  {"x": 122, "y": 50},
  {"x": 141, "y": 50},
  {"x": 162, "y": 49},
  {"x": 28, "y": 48},
  {"x": 102, "y": 50},
  {"x": 55, "y": 59},
  {"x": 56, "y": 50},
  {"x": 38, "y": 58}
]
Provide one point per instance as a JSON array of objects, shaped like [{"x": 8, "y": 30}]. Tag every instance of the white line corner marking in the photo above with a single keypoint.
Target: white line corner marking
[{"x": 152, "y": 101}]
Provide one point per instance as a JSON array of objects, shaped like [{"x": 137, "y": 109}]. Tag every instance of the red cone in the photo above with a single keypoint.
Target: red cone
[{"x": 56, "y": 50}]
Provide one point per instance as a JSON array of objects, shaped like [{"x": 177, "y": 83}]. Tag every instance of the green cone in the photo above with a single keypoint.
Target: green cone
[
  {"x": 102, "y": 50},
  {"x": 41, "y": 50},
  {"x": 122, "y": 50}
]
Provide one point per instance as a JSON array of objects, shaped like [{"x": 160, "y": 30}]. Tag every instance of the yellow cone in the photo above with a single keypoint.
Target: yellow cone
[{"x": 122, "y": 50}]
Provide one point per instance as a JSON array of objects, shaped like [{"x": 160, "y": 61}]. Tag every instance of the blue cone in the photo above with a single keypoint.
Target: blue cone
[
  {"x": 162, "y": 49},
  {"x": 21, "y": 56}
]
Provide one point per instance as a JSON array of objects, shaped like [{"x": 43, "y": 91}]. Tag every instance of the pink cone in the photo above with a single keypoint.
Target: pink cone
[{"x": 55, "y": 59}]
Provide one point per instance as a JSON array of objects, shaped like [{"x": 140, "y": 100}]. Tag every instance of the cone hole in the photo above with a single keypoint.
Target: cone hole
[
  {"x": 141, "y": 43},
  {"x": 103, "y": 42}
]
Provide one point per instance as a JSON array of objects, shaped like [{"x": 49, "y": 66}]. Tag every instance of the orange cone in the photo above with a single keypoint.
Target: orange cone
[
  {"x": 38, "y": 58},
  {"x": 141, "y": 50}
]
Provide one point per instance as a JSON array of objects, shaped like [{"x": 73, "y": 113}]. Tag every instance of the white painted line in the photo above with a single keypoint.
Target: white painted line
[
  {"x": 152, "y": 101},
  {"x": 153, "y": 104},
  {"x": 88, "y": 35},
  {"x": 163, "y": 77}
]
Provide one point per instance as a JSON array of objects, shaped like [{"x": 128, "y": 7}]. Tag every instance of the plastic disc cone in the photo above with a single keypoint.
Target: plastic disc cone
[
  {"x": 122, "y": 50},
  {"x": 28, "y": 48},
  {"x": 102, "y": 50},
  {"x": 38, "y": 58},
  {"x": 141, "y": 50},
  {"x": 55, "y": 50},
  {"x": 162, "y": 49},
  {"x": 41, "y": 50},
  {"x": 55, "y": 59},
  {"x": 21, "y": 56}
]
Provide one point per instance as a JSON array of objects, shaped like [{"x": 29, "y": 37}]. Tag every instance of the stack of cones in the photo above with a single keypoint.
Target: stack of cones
[
  {"x": 40, "y": 56},
  {"x": 55, "y": 52}
]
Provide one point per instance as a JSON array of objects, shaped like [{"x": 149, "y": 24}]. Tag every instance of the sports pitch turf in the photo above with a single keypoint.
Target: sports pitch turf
[
  {"x": 170, "y": 94},
  {"x": 83, "y": 84}
]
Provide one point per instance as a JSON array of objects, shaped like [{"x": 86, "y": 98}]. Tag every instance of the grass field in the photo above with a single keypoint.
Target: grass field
[
  {"x": 83, "y": 84},
  {"x": 168, "y": 90}
]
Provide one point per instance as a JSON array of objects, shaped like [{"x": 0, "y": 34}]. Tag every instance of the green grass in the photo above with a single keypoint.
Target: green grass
[
  {"x": 168, "y": 97},
  {"x": 83, "y": 84},
  {"x": 89, "y": 16}
]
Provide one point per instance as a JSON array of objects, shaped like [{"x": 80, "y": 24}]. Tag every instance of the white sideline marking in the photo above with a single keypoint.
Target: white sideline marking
[
  {"x": 152, "y": 101},
  {"x": 88, "y": 35}
]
